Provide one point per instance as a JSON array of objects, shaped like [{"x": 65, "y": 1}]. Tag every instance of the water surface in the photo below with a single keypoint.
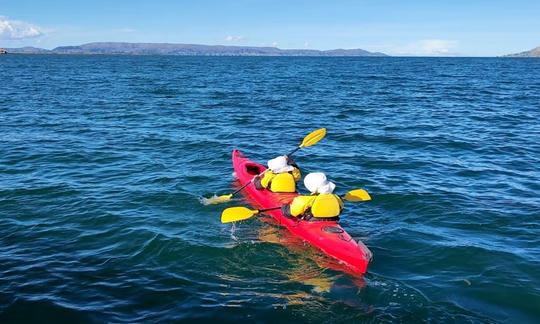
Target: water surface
[{"x": 103, "y": 160}]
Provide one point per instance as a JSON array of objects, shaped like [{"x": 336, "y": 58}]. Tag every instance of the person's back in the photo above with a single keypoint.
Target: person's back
[
  {"x": 322, "y": 204},
  {"x": 326, "y": 205},
  {"x": 280, "y": 176}
]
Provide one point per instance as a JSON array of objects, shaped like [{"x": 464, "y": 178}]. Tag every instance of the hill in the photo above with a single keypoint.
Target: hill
[
  {"x": 187, "y": 49},
  {"x": 535, "y": 52}
]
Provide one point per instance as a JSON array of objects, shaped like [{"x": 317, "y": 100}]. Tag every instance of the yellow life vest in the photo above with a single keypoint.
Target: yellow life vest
[
  {"x": 281, "y": 182},
  {"x": 326, "y": 205},
  {"x": 319, "y": 206}
]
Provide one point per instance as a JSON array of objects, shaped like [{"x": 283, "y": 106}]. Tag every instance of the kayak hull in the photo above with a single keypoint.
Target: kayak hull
[{"x": 327, "y": 236}]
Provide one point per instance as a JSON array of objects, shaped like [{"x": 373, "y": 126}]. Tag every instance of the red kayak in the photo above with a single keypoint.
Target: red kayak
[{"x": 328, "y": 236}]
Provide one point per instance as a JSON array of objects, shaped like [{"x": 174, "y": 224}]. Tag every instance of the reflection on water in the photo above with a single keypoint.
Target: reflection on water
[
  {"x": 303, "y": 270},
  {"x": 311, "y": 268}
]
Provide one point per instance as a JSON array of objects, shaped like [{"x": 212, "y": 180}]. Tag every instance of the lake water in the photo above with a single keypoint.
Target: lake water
[{"x": 103, "y": 160}]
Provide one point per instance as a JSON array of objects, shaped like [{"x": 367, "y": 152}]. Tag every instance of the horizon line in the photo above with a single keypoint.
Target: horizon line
[{"x": 453, "y": 55}]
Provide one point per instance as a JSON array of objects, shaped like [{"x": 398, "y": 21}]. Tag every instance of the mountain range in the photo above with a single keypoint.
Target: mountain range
[
  {"x": 187, "y": 49},
  {"x": 535, "y": 52}
]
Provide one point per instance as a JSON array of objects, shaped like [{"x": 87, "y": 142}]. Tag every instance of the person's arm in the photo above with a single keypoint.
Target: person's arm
[
  {"x": 266, "y": 178},
  {"x": 340, "y": 202},
  {"x": 296, "y": 174},
  {"x": 297, "y": 207}
]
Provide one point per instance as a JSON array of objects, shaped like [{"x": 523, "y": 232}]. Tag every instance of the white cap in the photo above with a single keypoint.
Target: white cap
[
  {"x": 316, "y": 182},
  {"x": 279, "y": 164}
]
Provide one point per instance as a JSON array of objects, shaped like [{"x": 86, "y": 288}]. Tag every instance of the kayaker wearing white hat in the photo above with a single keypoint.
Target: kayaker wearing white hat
[
  {"x": 322, "y": 204},
  {"x": 281, "y": 176}
]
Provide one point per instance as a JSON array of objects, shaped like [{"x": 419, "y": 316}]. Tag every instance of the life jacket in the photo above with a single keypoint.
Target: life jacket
[
  {"x": 326, "y": 205},
  {"x": 321, "y": 206},
  {"x": 280, "y": 182}
]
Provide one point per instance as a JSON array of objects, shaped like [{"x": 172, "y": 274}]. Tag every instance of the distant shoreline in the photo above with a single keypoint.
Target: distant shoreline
[
  {"x": 284, "y": 56},
  {"x": 114, "y": 48},
  {"x": 171, "y": 49}
]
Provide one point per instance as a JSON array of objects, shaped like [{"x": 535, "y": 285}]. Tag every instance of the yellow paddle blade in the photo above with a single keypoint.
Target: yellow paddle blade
[
  {"x": 216, "y": 199},
  {"x": 313, "y": 137},
  {"x": 357, "y": 195},
  {"x": 235, "y": 214}
]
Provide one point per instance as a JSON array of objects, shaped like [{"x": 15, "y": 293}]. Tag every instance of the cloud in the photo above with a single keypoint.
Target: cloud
[
  {"x": 274, "y": 44},
  {"x": 232, "y": 38},
  {"x": 14, "y": 29},
  {"x": 428, "y": 47},
  {"x": 437, "y": 46},
  {"x": 306, "y": 44},
  {"x": 127, "y": 30}
]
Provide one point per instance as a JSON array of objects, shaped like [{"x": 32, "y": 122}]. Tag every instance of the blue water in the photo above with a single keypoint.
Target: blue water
[{"x": 103, "y": 160}]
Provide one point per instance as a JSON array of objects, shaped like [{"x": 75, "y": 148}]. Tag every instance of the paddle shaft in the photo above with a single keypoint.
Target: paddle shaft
[
  {"x": 237, "y": 191},
  {"x": 294, "y": 151},
  {"x": 268, "y": 209}
]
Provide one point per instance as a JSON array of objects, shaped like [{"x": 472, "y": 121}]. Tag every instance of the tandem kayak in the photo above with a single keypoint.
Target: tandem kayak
[{"x": 327, "y": 236}]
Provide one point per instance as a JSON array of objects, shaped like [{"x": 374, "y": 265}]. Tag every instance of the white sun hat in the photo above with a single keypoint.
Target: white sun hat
[
  {"x": 317, "y": 182},
  {"x": 279, "y": 165}
]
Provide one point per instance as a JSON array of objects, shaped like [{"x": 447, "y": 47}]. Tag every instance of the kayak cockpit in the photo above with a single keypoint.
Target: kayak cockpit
[{"x": 253, "y": 169}]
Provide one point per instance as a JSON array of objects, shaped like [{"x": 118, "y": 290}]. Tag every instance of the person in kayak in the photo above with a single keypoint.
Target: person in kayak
[
  {"x": 281, "y": 176},
  {"x": 322, "y": 204}
]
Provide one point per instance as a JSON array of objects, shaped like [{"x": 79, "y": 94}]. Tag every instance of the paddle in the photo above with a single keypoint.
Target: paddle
[
  {"x": 311, "y": 139},
  {"x": 235, "y": 214},
  {"x": 357, "y": 195}
]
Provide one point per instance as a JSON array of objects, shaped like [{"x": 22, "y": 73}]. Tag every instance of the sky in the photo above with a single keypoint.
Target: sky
[{"x": 399, "y": 27}]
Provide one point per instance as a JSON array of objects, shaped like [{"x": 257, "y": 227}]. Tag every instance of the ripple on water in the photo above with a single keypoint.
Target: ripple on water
[{"x": 103, "y": 161}]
